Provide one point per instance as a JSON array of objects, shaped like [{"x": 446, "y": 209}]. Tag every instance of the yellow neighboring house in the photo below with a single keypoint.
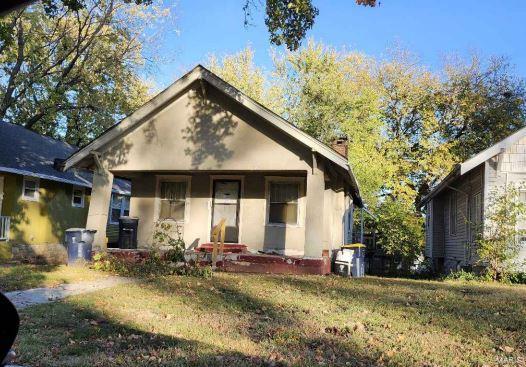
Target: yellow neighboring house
[{"x": 39, "y": 202}]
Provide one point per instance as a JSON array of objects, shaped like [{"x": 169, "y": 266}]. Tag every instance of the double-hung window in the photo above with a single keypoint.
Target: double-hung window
[
  {"x": 77, "y": 197},
  {"x": 120, "y": 207},
  {"x": 173, "y": 200},
  {"x": 30, "y": 189},
  {"x": 283, "y": 202}
]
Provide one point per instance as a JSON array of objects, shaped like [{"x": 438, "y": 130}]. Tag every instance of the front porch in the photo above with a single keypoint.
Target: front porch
[{"x": 295, "y": 215}]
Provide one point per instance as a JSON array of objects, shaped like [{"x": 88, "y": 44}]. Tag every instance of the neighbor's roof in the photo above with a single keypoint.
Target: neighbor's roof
[
  {"x": 463, "y": 168},
  {"x": 201, "y": 73},
  {"x": 27, "y": 153}
]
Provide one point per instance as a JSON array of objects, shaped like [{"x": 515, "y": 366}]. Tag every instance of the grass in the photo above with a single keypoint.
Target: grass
[
  {"x": 265, "y": 320},
  {"x": 15, "y": 277}
]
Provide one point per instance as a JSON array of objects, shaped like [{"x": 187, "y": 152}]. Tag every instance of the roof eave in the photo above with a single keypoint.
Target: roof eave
[
  {"x": 453, "y": 175},
  {"x": 200, "y": 72}
]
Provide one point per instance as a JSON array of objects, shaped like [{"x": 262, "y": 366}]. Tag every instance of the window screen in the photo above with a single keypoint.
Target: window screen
[
  {"x": 173, "y": 199},
  {"x": 283, "y": 202}
]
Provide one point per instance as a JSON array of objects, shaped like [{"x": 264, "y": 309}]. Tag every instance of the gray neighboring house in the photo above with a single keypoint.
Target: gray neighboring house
[{"x": 455, "y": 207}]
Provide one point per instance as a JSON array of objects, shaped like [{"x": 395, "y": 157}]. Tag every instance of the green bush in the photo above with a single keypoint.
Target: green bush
[
  {"x": 466, "y": 276},
  {"x": 154, "y": 265},
  {"x": 400, "y": 232},
  {"x": 163, "y": 236},
  {"x": 517, "y": 278}
]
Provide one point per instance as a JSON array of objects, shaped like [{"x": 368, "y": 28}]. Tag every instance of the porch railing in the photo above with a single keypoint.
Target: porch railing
[
  {"x": 218, "y": 235},
  {"x": 5, "y": 222}
]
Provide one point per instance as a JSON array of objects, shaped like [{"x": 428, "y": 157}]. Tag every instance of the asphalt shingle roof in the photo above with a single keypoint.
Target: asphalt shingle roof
[{"x": 28, "y": 153}]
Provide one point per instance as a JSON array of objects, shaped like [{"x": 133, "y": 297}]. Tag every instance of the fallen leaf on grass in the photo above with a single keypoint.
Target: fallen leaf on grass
[{"x": 506, "y": 349}]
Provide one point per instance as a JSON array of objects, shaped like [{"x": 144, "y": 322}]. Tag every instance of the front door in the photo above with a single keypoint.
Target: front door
[{"x": 225, "y": 205}]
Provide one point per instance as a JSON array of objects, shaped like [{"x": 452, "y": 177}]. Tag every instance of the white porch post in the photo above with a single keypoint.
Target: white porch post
[
  {"x": 100, "y": 205},
  {"x": 314, "y": 215}
]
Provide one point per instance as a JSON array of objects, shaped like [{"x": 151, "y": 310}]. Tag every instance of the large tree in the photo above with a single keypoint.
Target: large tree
[
  {"x": 287, "y": 21},
  {"x": 482, "y": 102},
  {"x": 75, "y": 74}
]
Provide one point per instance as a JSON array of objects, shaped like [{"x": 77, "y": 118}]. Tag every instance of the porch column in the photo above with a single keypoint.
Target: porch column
[
  {"x": 314, "y": 214},
  {"x": 99, "y": 206}
]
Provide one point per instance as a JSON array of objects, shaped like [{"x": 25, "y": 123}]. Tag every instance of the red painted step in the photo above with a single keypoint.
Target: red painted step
[{"x": 230, "y": 248}]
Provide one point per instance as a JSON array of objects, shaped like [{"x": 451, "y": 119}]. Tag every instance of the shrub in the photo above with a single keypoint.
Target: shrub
[
  {"x": 400, "y": 231},
  {"x": 517, "y": 278},
  {"x": 499, "y": 247},
  {"x": 465, "y": 276},
  {"x": 154, "y": 265},
  {"x": 163, "y": 237}
]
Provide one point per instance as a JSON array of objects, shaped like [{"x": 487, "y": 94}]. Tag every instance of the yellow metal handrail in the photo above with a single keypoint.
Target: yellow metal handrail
[{"x": 218, "y": 234}]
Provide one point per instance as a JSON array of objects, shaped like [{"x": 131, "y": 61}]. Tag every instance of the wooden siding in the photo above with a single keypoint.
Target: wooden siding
[
  {"x": 507, "y": 167},
  {"x": 438, "y": 229},
  {"x": 457, "y": 246},
  {"x": 45, "y": 220},
  {"x": 429, "y": 229}
]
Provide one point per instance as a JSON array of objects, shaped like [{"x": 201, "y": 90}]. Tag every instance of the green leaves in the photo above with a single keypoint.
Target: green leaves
[
  {"x": 289, "y": 20},
  {"x": 73, "y": 75},
  {"x": 499, "y": 245},
  {"x": 400, "y": 230}
]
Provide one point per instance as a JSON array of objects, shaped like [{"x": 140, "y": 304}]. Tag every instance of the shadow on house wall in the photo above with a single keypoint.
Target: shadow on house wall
[{"x": 209, "y": 125}]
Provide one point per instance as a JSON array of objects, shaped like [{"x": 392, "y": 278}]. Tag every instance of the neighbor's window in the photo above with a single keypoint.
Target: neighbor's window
[
  {"x": 453, "y": 207},
  {"x": 30, "y": 189},
  {"x": 173, "y": 200},
  {"x": 283, "y": 202},
  {"x": 120, "y": 207},
  {"x": 77, "y": 197}
]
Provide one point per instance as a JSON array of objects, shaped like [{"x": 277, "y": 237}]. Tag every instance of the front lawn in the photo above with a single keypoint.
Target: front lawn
[
  {"x": 23, "y": 276},
  {"x": 264, "y": 320}
]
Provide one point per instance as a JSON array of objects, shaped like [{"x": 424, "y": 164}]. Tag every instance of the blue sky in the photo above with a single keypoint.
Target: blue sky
[{"x": 431, "y": 29}]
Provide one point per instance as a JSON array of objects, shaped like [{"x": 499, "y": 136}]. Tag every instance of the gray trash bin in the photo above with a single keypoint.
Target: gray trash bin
[
  {"x": 358, "y": 261},
  {"x": 79, "y": 243}
]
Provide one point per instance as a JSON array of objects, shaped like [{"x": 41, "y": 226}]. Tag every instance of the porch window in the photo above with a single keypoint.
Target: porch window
[
  {"x": 77, "y": 197},
  {"x": 30, "y": 189},
  {"x": 120, "y": 207},
  {"x": 173, "y": 200},
  {"x": 283, "y": 202}
]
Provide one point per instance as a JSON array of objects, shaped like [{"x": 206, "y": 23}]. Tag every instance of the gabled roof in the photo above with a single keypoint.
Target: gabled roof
[
  {"x": 201, "y": 73},
  {"x": 466, "y": 166},
  {"x": 492, "y": 151},
  {"x": 24, "y": 152}
]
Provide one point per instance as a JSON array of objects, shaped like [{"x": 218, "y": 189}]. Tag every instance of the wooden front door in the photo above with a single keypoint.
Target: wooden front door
[{"x": 225, "y": 204}]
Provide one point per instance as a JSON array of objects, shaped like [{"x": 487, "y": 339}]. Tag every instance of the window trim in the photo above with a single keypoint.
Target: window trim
[
  {"x": 301, "y": 200},
  {"x": 121, "y": 209},
  {"x": 36, "y": 180},
  {"x": 82, "y": 201},
  {"x": 157, "y": 206}
]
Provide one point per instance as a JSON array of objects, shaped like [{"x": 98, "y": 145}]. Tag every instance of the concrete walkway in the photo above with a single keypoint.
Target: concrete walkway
[{"x": 35, "y": 296}]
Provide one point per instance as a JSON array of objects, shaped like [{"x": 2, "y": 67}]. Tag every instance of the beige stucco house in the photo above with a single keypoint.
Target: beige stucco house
[{"x": 201, "y": 150}]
